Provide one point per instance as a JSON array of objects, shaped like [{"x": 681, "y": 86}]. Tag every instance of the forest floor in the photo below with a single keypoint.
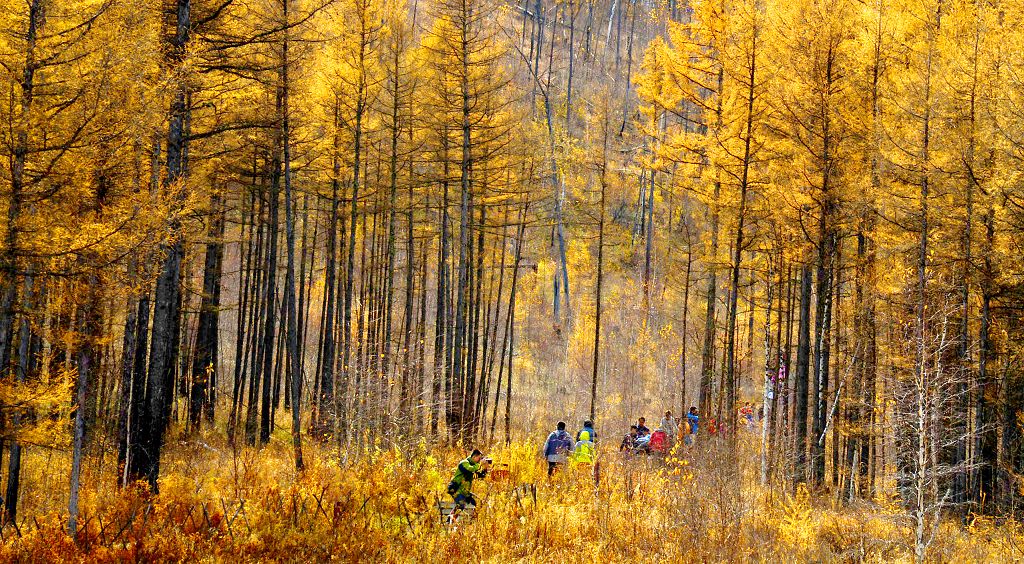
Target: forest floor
[{"x": 221, "y": 504}]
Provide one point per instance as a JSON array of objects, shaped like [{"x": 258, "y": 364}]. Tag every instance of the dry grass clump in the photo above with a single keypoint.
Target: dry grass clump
[{"x": 219, "y": 504}]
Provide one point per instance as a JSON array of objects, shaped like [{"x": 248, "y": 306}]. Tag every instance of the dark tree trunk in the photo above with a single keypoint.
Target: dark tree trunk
[
  {"x": 90, "y": 330},
  {"x": 325, "y": 401},
  {"x": 266, "y": 365},
  {"x": 294, "y": 351},
  {"x": 145, "y": 461},
  {"x": 512, "y": 323},
  {"x": 257, "y": 343},
  {"x": 803, "y": 357},
  {"x": 204, "y": 360}
]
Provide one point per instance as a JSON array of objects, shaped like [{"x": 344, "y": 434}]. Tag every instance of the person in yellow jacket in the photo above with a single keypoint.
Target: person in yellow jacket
[{"x": 585, "y": 452}]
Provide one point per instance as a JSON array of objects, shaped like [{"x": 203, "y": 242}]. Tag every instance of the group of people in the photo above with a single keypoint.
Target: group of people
[
  {"x": 669, "y": 430},
  {"x": 560, "y": 448}
]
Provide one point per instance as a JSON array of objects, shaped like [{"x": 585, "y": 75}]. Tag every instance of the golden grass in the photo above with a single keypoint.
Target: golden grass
[{"x": 217, "y": 504}]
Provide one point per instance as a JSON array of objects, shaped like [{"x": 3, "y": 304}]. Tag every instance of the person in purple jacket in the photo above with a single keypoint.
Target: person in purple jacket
[{"x": 557, "y": 447}]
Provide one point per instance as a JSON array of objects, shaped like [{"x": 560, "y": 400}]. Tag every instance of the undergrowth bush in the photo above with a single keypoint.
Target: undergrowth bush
[{"x": 217, "y": 503}]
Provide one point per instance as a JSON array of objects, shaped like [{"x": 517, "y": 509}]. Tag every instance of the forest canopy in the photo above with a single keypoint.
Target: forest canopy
[{"x": 323, "y": 235}]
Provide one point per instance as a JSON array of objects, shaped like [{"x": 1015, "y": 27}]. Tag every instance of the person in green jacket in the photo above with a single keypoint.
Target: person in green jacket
[{"x": 460, "y": 488}]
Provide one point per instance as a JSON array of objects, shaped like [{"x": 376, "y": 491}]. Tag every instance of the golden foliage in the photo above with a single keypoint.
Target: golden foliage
[{"x": 219, "y": 504}]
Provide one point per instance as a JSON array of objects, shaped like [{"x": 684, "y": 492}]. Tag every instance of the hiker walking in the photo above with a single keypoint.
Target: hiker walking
[
  {"x": 585, "y": 451},
  {"x": 693, "y": 424},
  {"x": 460, "y": 488},
  {"x": 588, "y": 427},
  {"x": 557, "y": 447}
]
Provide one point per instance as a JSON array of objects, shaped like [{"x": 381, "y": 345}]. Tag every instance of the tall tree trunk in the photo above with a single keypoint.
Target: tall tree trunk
[
  {"x": 962, "y": 427},
  {"x": 649, "y": 244},
  {"x": 441, "y": 343},
  {"x": 408, "y": 384},
  {"x": 267, "y": 363},
  {"x": 803, "y": 357},
  {"x": 294, "y": 352},
  {"x": 707, "y": 362},
  {"x": 769, "y": 388},
  {"x": 465, "y": 212},
  {"x": 89, "y": 331},
  {"x": 346, "y": 329},
  {"x": 825, "y": 269},
  {"x": 325, "y": 401},
  {"x": 599, "y": 285},
  {"x": 686, "y": 324},
  {"x": 204, "y": 361},
  {"x": 167, "y": 298},
  {"x": 258, "y": 343},
  {"x": 985, "y": 438},
  {"x": 730, "y": 383},
  {"x": 8, "y": 262},
  {"x": 507, "y": 333},
  {"x": 520, "y": 238},
  {"x": 21, "y": 374}
]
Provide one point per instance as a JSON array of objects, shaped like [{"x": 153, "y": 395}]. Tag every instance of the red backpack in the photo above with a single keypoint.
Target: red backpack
[{"x": 659, "y": 441}]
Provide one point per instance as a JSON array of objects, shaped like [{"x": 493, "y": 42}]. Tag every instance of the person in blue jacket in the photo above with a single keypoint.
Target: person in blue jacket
[
  {"x": 588, "y": 427},
  {"x": 641, "y": 427},
  {"x": 693, "y": 421},
  {"x": 557, "y": 447}
]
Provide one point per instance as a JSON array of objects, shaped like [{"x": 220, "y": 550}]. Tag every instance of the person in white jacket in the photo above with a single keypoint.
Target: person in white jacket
[{"x": 669, "y": 425}]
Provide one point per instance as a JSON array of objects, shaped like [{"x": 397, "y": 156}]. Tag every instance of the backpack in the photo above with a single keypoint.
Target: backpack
[
  {"x": 659, "y": 441},
  {"x": 564, "y": 443},
  {"x": 559, "y": 442}
]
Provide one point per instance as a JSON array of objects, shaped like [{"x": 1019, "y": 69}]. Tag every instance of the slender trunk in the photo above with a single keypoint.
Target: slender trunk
[
  {"x": 649, "y": 246},
  {"x": 962, "y": 427},
  {"x": 8, "y": 262},
  {"x": 21, "y": 374},
  {"x": 294, "y": 353},
  {"x": 442, "y": 343},
  {"x": 267, "y": 366},
  {"x": 684, "y": 337},
  {"x": 204, "y": 361},
  {"x": 462, "y": 289},
  {"x": 89, "y": 331},
  {"x": 599, "y": 285},
  {"x": 167, "y": 297},
  {"x": 629, "y": 66},
  {"x": 506, "y": 341},
  {"x": 346, "y": 329},
  {"x": 325, "y": 401},
  {"x": 730, "y": 383},
  {"x": 258, "y": 343},
  {"x": 520, "y": 238},
  {"x": 985, "y": 439},
  {"x": 572, "y": 57},
  {"x": 707, "y": 363},
  {"x": 392, "y": 213},
  {"x": 769, "y": 391},
  {"x": 803, "y": 357},
  {"x": 408, "y": 384}
]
